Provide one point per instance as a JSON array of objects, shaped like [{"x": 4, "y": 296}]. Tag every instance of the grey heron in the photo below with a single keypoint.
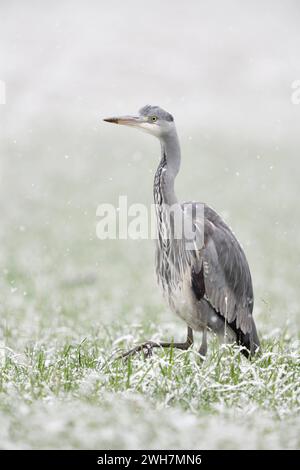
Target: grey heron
[{"x": 210, "y": 287}]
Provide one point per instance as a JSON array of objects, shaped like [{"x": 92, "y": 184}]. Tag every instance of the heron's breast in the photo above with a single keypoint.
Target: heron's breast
[{"x": 182, "y": 301}]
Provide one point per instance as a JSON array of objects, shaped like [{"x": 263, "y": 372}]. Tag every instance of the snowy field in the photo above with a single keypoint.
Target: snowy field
[{"x": 68, "y": 301}]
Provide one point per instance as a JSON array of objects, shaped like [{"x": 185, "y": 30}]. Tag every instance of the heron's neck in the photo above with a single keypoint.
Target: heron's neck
[{"x": 164, "y": 192}]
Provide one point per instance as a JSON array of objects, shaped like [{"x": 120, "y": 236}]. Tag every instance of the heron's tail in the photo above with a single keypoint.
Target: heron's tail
[
  {"x": 250, "y": 341},
  {"x": 216, "y": 323}
]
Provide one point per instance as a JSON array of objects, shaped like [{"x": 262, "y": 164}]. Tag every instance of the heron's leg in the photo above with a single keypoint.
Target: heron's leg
[
  {"x": 149, "y": 345},
  {"x": 203, "y": 347}
]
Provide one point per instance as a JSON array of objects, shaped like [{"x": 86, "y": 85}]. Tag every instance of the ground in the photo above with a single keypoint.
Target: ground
[{"x": 70, "y": 301}]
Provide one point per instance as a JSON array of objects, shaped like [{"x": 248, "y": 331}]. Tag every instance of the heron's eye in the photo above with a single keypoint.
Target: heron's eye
[{"x": 153, "y": 118}]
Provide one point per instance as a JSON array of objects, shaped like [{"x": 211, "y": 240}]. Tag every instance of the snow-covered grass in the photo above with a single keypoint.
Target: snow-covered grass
[
  {"x": 69, "y": 302},
  {"x": 70, "y": 393}
]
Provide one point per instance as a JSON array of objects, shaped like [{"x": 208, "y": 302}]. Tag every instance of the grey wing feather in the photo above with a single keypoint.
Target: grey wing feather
[{"x": 227, "y": 278}]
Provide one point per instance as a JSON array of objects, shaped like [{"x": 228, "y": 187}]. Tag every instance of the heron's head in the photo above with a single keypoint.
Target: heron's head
[{"x": 151, "y": 119}]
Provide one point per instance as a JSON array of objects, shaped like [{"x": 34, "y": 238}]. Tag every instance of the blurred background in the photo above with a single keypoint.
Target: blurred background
[{"x": 225, "y": 71}]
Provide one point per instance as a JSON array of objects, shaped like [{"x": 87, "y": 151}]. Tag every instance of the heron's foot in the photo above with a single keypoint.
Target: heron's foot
[{"x": 147, "y": 348}]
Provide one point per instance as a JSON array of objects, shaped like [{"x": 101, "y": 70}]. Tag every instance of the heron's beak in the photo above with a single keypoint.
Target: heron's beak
[{"x": 126, "y": 120}]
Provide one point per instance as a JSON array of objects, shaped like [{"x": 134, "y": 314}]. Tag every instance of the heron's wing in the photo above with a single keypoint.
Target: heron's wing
[{"x": 227, "y": 278}]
